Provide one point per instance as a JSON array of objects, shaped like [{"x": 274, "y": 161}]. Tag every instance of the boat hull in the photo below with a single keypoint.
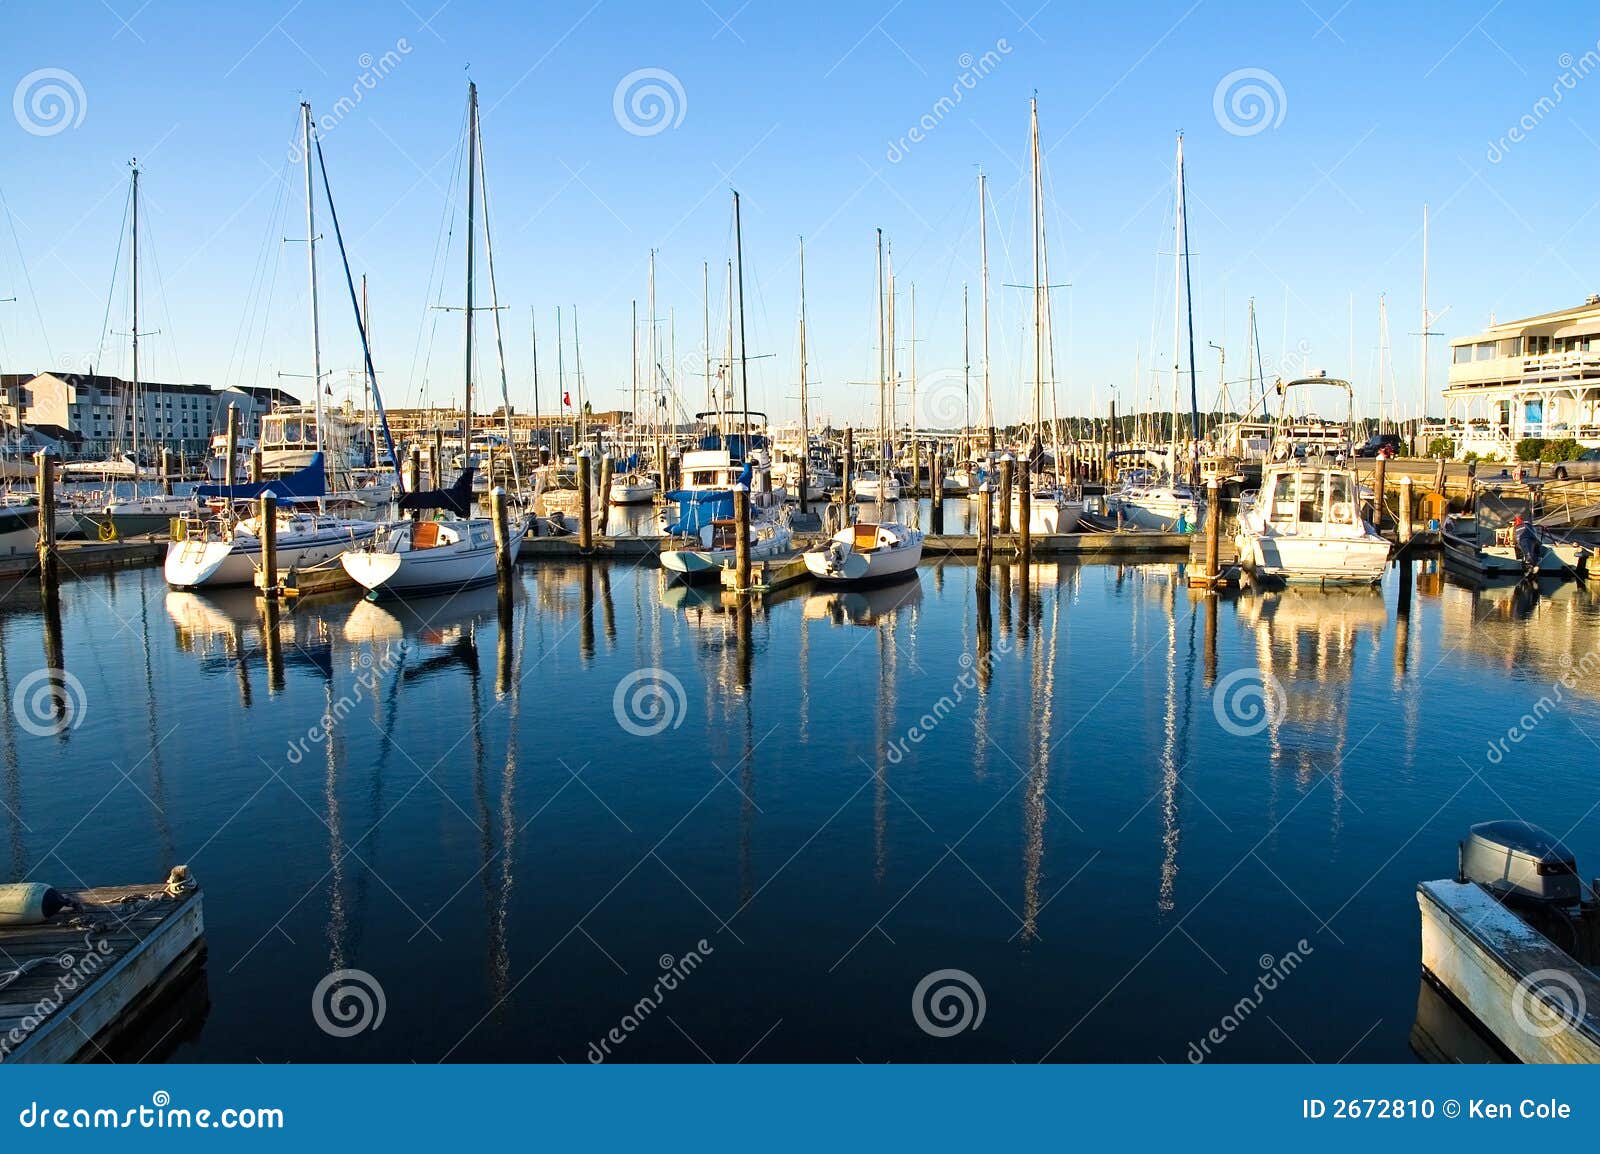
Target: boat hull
[
  {"x": 424, "y": 572},
  {"x": 864, "y": 568},
  {"x": 19, "y": 530},
  {"x": 201, "y": 563},
  {"x": 1316, "y": 561}
]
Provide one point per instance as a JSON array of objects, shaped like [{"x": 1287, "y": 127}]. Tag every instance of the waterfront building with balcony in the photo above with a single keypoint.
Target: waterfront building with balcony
[{"x": 1535, "y": 377}]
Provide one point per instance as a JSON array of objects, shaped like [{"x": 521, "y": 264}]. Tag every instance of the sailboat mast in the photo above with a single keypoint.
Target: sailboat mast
[
  {"x": 1038, "y": 289},
  {"x": 1177, "y": 311},
  {"x": 805, "y": 415},
  {"x": 966, "y": 363},
  {"x": 744, "y": 368},
  {"x": 650, "y": 347},
  {"x": 983, "y": 260},
  {"x": 882, "y": 356},
  {"x": 494, "y": 311},
  {"x": 705, "y": 336},
  {"x": 914, "y": 454},
  {"x": 1188, "y": 300},
  {"x": 561, "y": 369},
  {"x": 633, "y": 394},
  {"x": 138, "y": 407},
  {"x": 533, "y": 326},
  {"x": 311, "y": 273},
  {"x": 725, "y": 401},
  {"x": 1383, "y": 350},
  {"x": 472, "y": 180},
  {"x": 577, "y": 375},
  {"x": 1422, "y": 394}
]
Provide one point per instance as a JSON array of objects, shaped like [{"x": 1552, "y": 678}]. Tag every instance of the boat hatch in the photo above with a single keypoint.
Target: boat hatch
[
  {"x": 425, "y": 535},
  {"x": 866, "y": 538}
]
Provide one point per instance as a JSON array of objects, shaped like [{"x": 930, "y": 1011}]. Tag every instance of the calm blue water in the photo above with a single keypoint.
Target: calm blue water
[{"x": 1076, "y": 830}]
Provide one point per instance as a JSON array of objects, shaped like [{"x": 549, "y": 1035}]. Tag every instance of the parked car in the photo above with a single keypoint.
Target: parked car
[
  {"x": 1385, "y": 444},
  {"x": 1585, "y": 466}
]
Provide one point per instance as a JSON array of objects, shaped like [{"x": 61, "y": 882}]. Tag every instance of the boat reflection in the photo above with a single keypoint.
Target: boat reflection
[
  {"x": 230, "y": 631},
  {"x": 864, "y": 606},
  {"x": 1444, "y": 1032}
]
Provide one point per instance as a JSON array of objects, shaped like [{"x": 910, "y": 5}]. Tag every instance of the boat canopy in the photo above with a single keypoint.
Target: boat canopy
[
  {"x": 305, "y": 485},
  {"x": 697, "y": 508},
  {"x": 456, "y": 499}
]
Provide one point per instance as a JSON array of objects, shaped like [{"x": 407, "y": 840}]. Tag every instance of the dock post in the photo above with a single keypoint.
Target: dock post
[
  {"x": 1025, "y": 514},
  {"x": 805, "y": 463},
  {"x": 435, "y": 462},
  {"x": 231, "y": 445},
  {"x": 1109, "y": 443},
  {"x": 936, "y": 492},
  {"x": 255, "y": 465},
  {"x": 1438, "y": 478},
  {"x": 166, "y": 472},
  {"x": 502, "y": 531},
  {"x": 741, "y": 537},
  {"x": 847, "y": 481},
  {"x": 666, "y": 483},
  {"x": 1213, "y": 575},
  {"x": 608, "y": 468},
  {"x": 985, "y": 526},
  {"x": 414, "y": 467},
  {"x": 585, "y": 503},
  {"x": 1404, "y": 533},
  {"x": 269, "y": 545},
  {"x": 1007, "y": 463},
  {"x": 46, "y": 472},
  {"x": 1379, "y": 479},
  {"x": 916, "y": 469}
]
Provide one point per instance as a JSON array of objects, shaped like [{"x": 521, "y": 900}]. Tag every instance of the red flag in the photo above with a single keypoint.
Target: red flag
[{"x": 566, "y": 399}]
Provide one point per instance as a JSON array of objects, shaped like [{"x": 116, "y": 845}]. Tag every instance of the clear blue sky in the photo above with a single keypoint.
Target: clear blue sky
[{"x": 1373, "y": 112}]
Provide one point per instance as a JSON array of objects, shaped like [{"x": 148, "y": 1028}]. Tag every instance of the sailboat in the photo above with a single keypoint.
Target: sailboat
[
  {"x": 226, "y": 548},
  {"x": 1051, "y": 509},
  {"x": 867, "y": 550},
  {"x": 1166, "y": 503},
  {"x": 130, "y": 514},
  {"x": 636, "y": 486},
  {"x": 457, "y": 551}
]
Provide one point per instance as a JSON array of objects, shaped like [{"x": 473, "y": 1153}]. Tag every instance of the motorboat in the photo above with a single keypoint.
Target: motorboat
[
  {"x": 866, "y": 551},
  {"x": 1144, "y": 501},
  {"x": 633, "y": 489},
  {"x": 872, "y": 487},
  {"x": 1306, "y": 526},
  {"x": 719, "y": 548}
]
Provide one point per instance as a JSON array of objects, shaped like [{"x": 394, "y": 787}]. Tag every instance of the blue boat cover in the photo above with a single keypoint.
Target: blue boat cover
[
  {"x": 697, "y": 508},
  {"x": 306, "y": 485}
]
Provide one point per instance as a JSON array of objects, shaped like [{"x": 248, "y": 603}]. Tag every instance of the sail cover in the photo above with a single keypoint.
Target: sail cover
[
  {"x": 306, "y": 485},
  {"x": 456, "y": 499}
]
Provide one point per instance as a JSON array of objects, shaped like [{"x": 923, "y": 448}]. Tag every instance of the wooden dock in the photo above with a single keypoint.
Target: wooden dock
[
  {"x": 77, "y": 557},
  {"x": 1508, "y": 974},
  {"x": 71, "y": 986}
]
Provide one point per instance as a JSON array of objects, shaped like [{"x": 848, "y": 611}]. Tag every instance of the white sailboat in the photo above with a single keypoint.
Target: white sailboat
[
  {"x": 1167, "y": 503},
  {"x": 226, "y": 548},
  {"x": 414, "y": 558},
  {"x": 870, "y": 550}
]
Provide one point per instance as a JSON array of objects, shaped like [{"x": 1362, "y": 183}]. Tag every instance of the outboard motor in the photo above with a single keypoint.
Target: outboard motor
[
  {"x": 1529, "y": 548},
  {"x": 1518, "y": 862}
]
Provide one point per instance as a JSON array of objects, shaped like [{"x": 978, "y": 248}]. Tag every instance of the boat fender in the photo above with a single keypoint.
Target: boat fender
[
  {"x": 180, "y": 881},
  {"x": 29, "y": 903}
]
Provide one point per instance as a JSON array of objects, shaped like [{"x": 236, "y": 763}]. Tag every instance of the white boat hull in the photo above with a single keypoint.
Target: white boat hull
[
  {"x": 1316, "y": 561},
  {"x": 198, "y": 563},
  {"x": 442, "y": 568},
  {"x": 873, "y": 490},
  {"x": 839, "y": 562}
]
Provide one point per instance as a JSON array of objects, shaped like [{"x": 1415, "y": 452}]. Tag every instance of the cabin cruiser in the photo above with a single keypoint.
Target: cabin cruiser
[
  {"x": 866, "y": 551},
  {"x": 1145, "y": 502},
  {"x": 1305, "y": 525},
  {"x": 712, "y": 469},
  {"x": 1500, "y": 539}
]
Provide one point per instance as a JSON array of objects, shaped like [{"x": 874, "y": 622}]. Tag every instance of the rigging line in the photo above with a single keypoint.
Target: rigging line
[
  {"x": 443, "y": 242},
  {"x": 271, "y": 291},
  {"x": 161, "y": 287},
  {"x": 240, "y": 348},
  {"x": 27, "y": 276},
  {"x": 111, "y": 290}
]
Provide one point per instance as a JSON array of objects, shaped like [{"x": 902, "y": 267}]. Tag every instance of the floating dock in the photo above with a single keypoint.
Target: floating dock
[
  {"x": 1540, "y": 1002},
  {"x": 86, "y": 557},
  {"x": 71, "y": 986}
]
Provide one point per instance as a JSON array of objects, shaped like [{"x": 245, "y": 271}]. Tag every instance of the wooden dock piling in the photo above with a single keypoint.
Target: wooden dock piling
[
  {"x": 1404, "y": 528},
  {"x": 231, "y": 445},
  {"x": 1379, "y": 479},
  {"x": 1007, "y": 464},
  {"x": 847, "y": 480},
  {"x": 741, "y": 536},
  {"x": 585, "y": 503},
  {"x": 1025, "y": 516},
  {"x": 986, "y": 527},
  {"x": 46, "y": 472},
  {"x": 502, "y": 532},
  {"x": 255, "y": 465},
  {"x": 269, "y": 543},
  {"x": 936, "y": 492},
  {"x": 608, "y": 468}
]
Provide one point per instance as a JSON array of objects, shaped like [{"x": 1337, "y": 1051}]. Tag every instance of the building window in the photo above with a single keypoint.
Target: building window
[
  {"x": 1484, "y": 351},
  {"x": 1462, "y": 354}
]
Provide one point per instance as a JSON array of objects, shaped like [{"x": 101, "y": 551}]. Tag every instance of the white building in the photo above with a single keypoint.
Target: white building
[{"x": 1535, "y": 377}]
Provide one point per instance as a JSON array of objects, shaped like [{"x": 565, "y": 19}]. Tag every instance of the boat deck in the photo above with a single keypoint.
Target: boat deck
[{"x": 70, "y": 986}]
